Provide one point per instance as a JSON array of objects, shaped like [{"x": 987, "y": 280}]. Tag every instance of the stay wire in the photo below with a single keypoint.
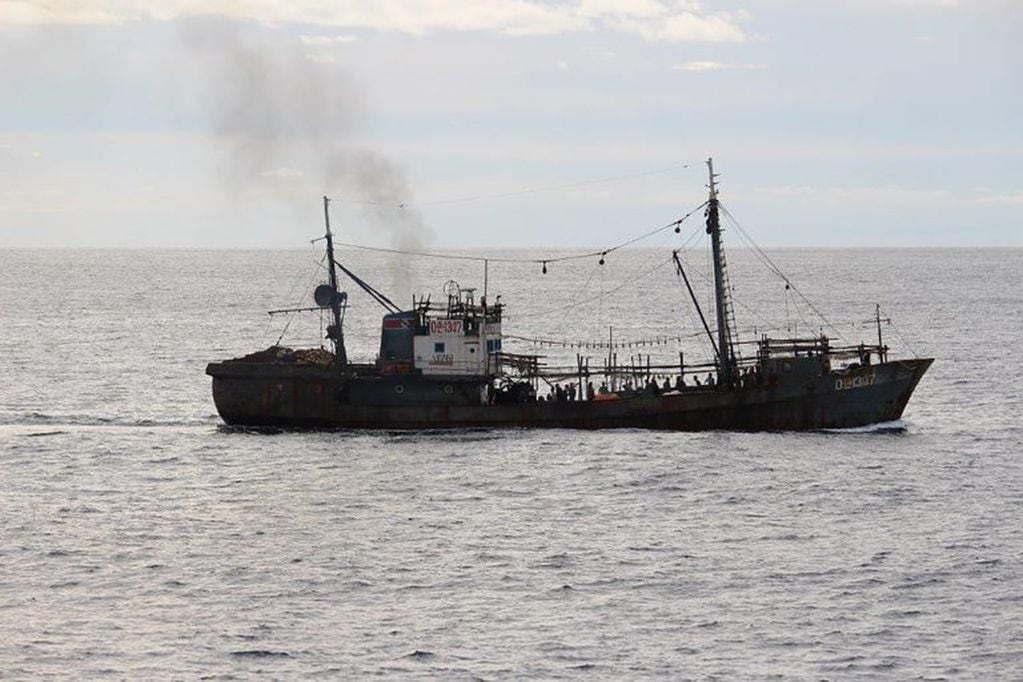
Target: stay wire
[
  {"x": 898, "y": 333},
  {"x": 288, "y": 297},
  {"x": 604, "y": 292},
  {"x": 766, "y": 260},
  {"x": 709, "y": 280},
  {"x": 627, "y": 282},
  {"x": 586, "y": 287},
  {"x": 537, "y": 261},
  {"x": 648, "y": 341}
]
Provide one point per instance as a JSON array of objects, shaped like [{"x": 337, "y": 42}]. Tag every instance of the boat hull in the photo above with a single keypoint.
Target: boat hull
[{"x": 315, "y": 397}]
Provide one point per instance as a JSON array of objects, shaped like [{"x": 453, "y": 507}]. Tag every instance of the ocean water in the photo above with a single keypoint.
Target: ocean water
[{"x": 139, "y": 538}]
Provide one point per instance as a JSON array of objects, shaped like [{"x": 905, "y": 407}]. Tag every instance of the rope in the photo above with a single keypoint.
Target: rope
[
  {"x": 766, "y": 260},
  {"x": 316, "y": 270},
  {"x": 901, "y": 337},
  {"x": 662, "y": 340},
  {"x": 621, "y": 286},
  {"x": 536, "y": 261},
  {"x": 710, "y": 284},
  {"x": 284, "y": 331}
]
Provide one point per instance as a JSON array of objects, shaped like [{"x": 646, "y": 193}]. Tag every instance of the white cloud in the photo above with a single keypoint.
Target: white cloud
[
  {"x": 629, "y": 8},
  {"x": 323, "y": 41},
  {"x": 321, "y": 58},
  {"x": 1004, "y": 198},
  {"x": 884, "y": 194},
  {"x": 938, "y": 3},
  {"x": 655, "y": 20},
  {"x": 895, "y": 193},
  {"x": 686, "y": 27},
  {"x": 282, "y": 173},
  {"x": 716, "y": 66},
  {"x": 31, "y": 12}
]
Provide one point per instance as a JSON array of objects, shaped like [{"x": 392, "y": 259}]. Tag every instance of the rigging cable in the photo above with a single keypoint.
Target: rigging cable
[
  {"x": 901, "y": 337},
  {"x": 766, "y": 260},
  {"x": 291, "y": 291},
  {"x": 284, "y": 331},
  {"x": 604, "y": 292},
  {"x": 658, "y": 340},
  {"x": 710, "y": 282},
  {"x": 621, "y": 286},
  {"x": 806, "y": 323},
  {"x": 538, "y": 261},
  {"x": 586, "y": 287}
]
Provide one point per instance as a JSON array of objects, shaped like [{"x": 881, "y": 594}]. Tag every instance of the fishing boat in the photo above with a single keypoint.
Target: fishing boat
[{"x": 444, "y": 366}]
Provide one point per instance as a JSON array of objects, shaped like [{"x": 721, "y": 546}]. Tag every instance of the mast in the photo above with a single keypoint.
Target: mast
[
  {"x": 334, "y": 332},
  {"x": 877, "y": 317},
  {"x": 726, "y": 360},
  {"x": 882, "y": 350}
]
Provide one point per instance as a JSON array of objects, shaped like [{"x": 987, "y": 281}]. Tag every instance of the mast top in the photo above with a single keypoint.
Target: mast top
[
  {"x": 326, "y": 214},
  {"x": 713, "y": 179}
]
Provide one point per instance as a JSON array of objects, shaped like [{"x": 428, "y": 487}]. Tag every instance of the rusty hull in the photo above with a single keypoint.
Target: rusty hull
[{"x": 316, "y": 397}]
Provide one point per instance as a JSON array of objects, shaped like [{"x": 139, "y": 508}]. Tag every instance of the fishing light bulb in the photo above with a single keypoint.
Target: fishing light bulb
[
  {"x": 602, "y": 257},
  {"x": 545, "y": 267}
]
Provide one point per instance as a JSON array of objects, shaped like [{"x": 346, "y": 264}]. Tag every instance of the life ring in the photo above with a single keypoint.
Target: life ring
[
  {"x": 449, "y": 389},
  {"x": 399, "y": 389}
]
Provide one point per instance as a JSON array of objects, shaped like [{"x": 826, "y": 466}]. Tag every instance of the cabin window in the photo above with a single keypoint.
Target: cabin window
[{"x": 438, "y": 348}]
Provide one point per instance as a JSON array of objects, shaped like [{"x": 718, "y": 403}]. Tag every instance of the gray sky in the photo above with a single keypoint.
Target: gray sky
[{"x": 212, "y": 124}]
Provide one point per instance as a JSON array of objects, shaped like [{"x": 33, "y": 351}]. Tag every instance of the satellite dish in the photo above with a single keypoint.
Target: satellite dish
[{"x": 324, "y": 295}]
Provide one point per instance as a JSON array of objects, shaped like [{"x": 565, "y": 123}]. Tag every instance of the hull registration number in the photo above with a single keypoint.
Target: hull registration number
[{"x": 858, "y": 381}]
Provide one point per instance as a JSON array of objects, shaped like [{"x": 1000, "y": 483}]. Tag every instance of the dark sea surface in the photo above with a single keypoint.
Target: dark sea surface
[{"x": 139, "y": 538}]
